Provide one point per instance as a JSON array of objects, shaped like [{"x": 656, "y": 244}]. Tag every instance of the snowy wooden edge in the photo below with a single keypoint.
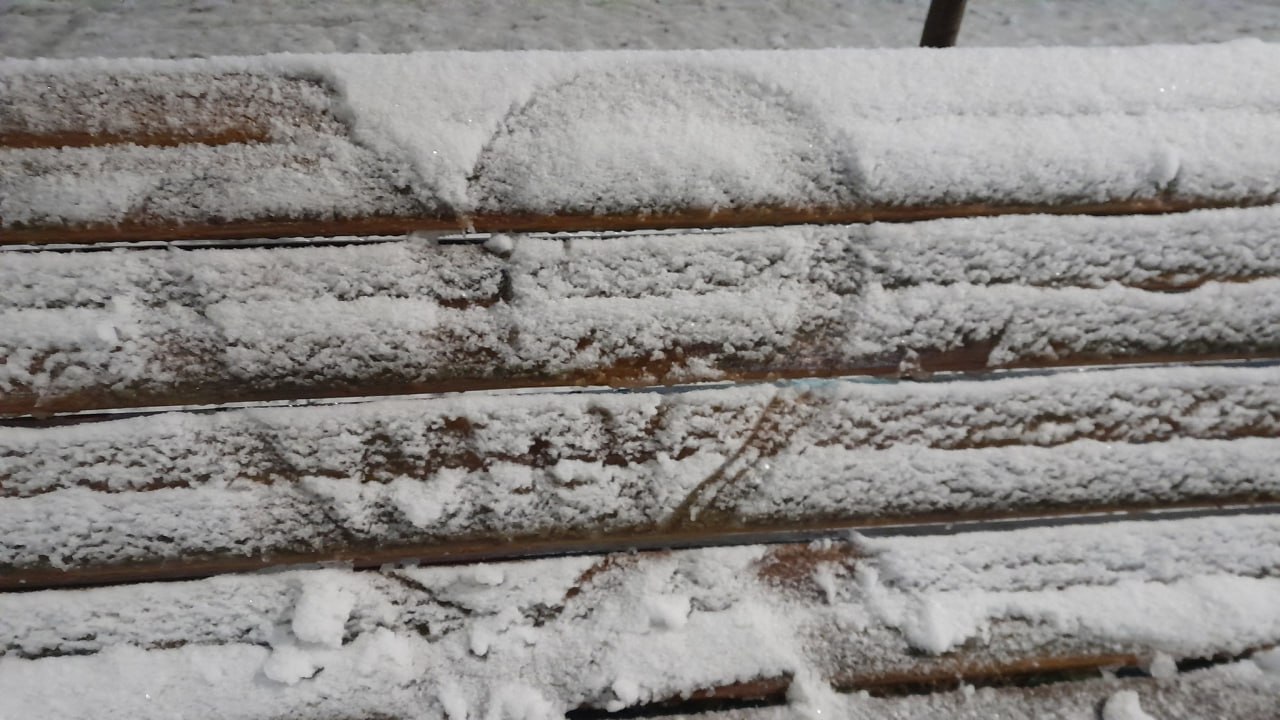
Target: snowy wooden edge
[
  {"x": 367, "y": 94},
  {"x": 154, "y": 328},
  {"x": 475, "y": 477},
  {"x": 882, "y": 614},
  {"x": 157, "y": 229}
]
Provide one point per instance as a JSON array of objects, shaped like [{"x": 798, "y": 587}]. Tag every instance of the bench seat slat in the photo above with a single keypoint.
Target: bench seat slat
[
  {"x": 649, "y": 139},
  {"x": 83, "y": 109},
  {"x": 174, "y": 495},
  {"x": 151, "y": 327},
  {"x": 622, "y": 630}
]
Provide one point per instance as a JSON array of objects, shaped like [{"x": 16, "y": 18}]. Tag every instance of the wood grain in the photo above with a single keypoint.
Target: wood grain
[{"x": 157, "y": 229}]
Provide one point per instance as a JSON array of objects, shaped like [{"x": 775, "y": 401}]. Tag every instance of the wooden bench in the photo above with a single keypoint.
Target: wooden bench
[{"x": 853, "y": 383}]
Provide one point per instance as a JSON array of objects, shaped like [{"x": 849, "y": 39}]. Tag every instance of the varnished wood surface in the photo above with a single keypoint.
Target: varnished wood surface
[{"x": 157, "y": 229}]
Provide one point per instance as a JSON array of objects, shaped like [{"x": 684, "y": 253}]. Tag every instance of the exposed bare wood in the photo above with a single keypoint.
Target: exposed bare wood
[
  {"x": 156, "y": 229},
  {"x": 72, "y": 138}
]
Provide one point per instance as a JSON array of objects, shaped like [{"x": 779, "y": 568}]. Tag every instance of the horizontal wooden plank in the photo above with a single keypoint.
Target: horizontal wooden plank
[
  {"x": 152, "y": 327},
  {"x": 446, "y": 479},
  {"x": 577, "y": 141},
  {"x": 50, "y": 110},
  {"x": 628, "y": 630},
  {"x": 154, "y": 229},
  {"x": 196, "y": 183}
]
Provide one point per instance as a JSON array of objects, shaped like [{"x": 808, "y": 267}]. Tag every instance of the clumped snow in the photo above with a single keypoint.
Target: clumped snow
[{"x": 628, "y": 629}]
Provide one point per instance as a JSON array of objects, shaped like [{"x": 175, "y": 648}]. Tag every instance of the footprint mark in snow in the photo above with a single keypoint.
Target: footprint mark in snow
[{"x": 661, "y": 136}]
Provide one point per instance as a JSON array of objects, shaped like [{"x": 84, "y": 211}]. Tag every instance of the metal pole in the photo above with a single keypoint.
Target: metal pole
[{"x": 943, "y": 23}]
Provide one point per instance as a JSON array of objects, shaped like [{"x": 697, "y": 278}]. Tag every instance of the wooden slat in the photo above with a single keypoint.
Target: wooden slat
[
  {"x": 181, "y": 495},
  {"x": 746, "y": 621},
  {"x": 942, "y": 24},
  {"x": 236, "y": 326},
  {"x": 806, "y": 157}
]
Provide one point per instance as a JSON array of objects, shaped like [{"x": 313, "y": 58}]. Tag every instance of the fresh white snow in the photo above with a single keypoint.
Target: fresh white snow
[
  {"x": 178, "y": 28},
  {"x": 433, "y": 470},
  {"x": 634, "y": 132},
  {"x": 712, "y": 305},
  {"x": 426, "y": 642}
]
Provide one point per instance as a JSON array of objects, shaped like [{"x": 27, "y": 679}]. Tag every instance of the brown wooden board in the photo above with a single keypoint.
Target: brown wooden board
[
  {"x": 461, "y": 478},
  {"x": 152, "y": 328},
  {"x": 50, "y": 110},
  {"x": 438, "y": 220},
  {"x": 630, "y": 630}
]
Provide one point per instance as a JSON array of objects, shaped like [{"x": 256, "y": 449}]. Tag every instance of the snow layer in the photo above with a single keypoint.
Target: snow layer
[
  {"x": 542, "y": 637},
  {"x": 317, "y": 176},
  {"x": 652, "y": 132},
  {"x": 478, "y": 466},
  {"x": 1234, "y": 691},
  {"x": 137, "y": 326},
  {"x": 178, "y": 106},
  {"x": 173, "y": 28}
]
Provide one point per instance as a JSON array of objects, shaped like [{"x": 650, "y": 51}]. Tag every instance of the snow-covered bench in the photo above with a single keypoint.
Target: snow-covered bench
[{"x": 647, "y": 381}]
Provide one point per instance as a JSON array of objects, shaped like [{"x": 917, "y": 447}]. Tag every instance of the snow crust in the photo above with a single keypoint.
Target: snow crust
[
  {"x": 701, "y": 305},
  {"x": 436, "y": 642},
  {"x": 537, "y": 132},
  {"x": 432, "y": 470}
]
